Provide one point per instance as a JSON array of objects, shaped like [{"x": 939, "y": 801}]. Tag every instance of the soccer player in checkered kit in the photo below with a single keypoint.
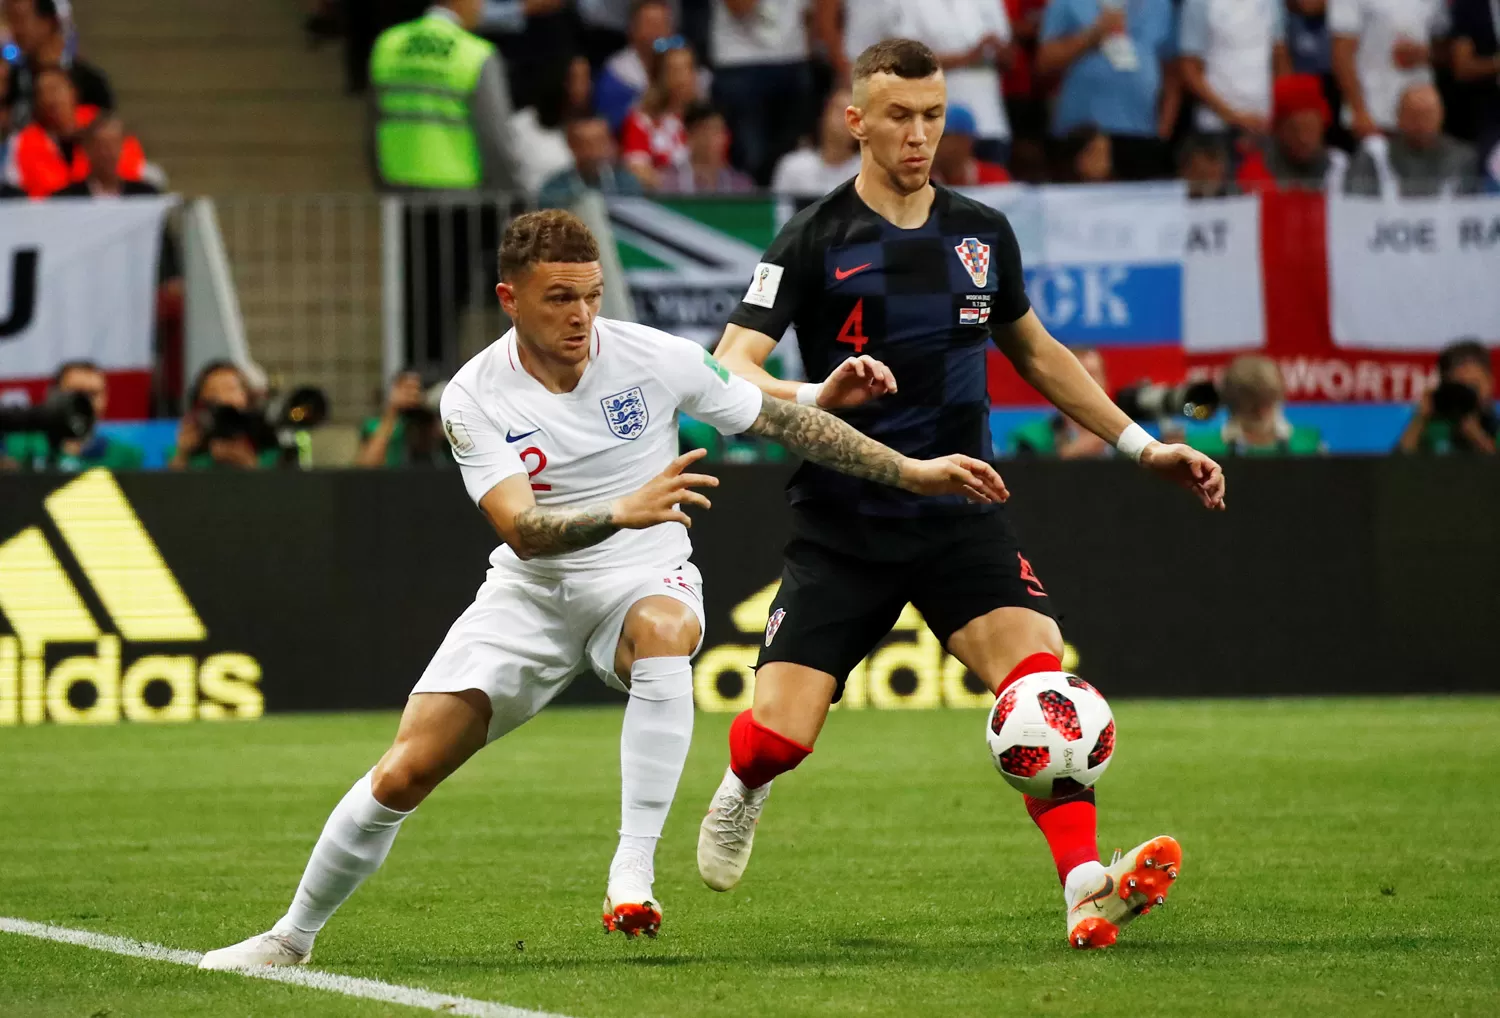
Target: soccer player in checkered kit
[
  {"x": 565, "y": 433},
  {"x": 896, "y": 286}
]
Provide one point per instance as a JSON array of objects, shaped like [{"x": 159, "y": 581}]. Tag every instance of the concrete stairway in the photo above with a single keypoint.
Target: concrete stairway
[{"x": 227, "y": 97}]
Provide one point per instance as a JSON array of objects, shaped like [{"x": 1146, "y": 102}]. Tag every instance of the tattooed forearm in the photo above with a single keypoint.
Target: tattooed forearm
[
  {"x": 824, "y": 439},
  {"x": 540, "y": 531}
]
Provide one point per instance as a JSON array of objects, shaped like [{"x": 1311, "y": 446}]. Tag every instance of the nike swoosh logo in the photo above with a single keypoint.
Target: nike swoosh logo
[
  {"x": 1099, "y": 895},
  {"x": 843, "y": 274},
  {"x": 516, "y": 438}
]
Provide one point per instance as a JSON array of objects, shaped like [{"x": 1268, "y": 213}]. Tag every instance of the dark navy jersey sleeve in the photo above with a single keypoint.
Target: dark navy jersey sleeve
[
  {"x": 1011, "y": 302},
  {"x": 778, "y": 285}
]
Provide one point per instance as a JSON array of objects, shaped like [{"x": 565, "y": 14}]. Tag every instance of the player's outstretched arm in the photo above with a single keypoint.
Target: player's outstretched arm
[
  {"x": 1053, "y": 371},
  {"x": 854, "y": 381},
  {"x": 826, "y": 440},
  {"x": 532, "y": 530}
]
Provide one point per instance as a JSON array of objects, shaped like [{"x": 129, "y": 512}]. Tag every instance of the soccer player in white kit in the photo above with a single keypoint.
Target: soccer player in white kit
[{"x": 565, "y": 433}]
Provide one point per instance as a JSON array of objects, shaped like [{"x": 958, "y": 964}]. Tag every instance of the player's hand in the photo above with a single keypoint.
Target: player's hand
[
  {"x": 659, "y": 499},
  {"x": 1188, "y": 468},
  {"x": 954, "y": 475},
  {"x": 854, "y": 382}
]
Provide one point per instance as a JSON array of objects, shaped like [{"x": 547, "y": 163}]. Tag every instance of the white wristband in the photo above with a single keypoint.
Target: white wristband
[
  {"x": 1133, "y": 441},
  {"x": 807, "y": 393}
]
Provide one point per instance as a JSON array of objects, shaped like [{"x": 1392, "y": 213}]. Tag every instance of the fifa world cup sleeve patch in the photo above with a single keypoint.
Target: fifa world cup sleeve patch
[
  {"x": 717, "y": 368},
  {"x": 458, "y": 435},
  {"x": 764, "y": 285}
]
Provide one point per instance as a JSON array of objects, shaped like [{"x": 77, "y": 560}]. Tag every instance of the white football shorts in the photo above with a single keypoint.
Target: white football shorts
[{"x": 525, "y": 637}]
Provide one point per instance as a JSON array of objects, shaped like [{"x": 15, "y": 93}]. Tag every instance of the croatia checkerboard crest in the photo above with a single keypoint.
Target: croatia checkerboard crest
[
  {"x": 626, "y": 413},
  {"x": 976, "y": 259},
  {"x": 774, "y": 623}
]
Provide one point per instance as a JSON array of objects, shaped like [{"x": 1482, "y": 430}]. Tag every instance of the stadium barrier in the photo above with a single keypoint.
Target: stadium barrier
[{"x": 176, "y": 597}]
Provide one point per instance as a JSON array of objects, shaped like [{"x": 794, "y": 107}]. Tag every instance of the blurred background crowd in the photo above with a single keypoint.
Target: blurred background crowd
[{"x": 545, "y": 101}]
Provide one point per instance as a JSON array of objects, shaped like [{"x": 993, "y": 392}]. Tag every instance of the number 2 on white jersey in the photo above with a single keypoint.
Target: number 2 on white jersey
[{"x": 531, "y": 472}]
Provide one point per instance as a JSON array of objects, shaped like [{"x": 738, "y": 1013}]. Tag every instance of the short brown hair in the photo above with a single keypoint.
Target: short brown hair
[
  {"x": 551, "y": 235},
  {"x": 905, "y": 58}
]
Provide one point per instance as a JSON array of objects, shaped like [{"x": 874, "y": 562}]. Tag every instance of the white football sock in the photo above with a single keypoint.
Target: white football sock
[
  {"x": 653, "y": 748},
  {"x": 354, "y": 843}
]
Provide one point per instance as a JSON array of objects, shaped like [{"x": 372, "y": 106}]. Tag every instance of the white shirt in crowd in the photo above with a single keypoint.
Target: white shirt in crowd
[
  {"x": 1379, "y": 24},
  {"x": 804, "y": 173},
  {"x": 774, "y": 33},
  {"x": 1234, "y": 39},
  {"x": 946, "y": 26},
  {"x": 542, "y": 152},
  {"x": 614, "y": 432}
]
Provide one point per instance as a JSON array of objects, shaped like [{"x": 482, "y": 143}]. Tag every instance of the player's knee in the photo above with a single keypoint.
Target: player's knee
[
  {"x": 404, "y": 777},
  {"x": 662, "y": 632}
]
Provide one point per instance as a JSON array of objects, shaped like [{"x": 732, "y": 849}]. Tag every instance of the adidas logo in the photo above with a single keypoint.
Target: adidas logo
[{"x": 142, "y": 603}]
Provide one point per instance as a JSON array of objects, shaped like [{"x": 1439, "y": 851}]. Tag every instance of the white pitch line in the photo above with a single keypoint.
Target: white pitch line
[{"x": 349, "y": 986}]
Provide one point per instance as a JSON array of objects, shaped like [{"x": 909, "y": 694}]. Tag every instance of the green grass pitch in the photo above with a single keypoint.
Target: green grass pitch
[{"x": 1341, "y": 859}]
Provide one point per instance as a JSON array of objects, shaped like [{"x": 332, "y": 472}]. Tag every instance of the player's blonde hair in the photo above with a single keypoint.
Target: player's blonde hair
[{"x": 550, "y": 235}]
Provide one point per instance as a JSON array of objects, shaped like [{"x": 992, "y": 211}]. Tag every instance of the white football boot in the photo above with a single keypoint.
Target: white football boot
[
  {"x": 728, "y": 832},
  {"x": 629, "y": 904},
  {"x": 261, "y": 950},
  {"x": 1101, "y": 899}
]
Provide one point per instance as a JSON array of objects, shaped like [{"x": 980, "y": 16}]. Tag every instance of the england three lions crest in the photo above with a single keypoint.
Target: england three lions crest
[
  {"x": 626, "y": 413},
  {"x": 976, "y": 259}
]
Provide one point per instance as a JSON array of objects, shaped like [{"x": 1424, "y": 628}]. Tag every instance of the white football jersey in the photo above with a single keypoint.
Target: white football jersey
[{"x": 606, "y": 438}]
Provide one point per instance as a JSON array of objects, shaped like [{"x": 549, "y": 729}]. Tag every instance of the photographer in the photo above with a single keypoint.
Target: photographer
[
  {"x": 221, "y": 429},
  {"x": 1056, "y": 435},
  {"x": 407, "y": 433},
  {"x": 35, "y": 450},
  {"x": 1459, "y": 415},
  {"x": 1254, "y": 394}
]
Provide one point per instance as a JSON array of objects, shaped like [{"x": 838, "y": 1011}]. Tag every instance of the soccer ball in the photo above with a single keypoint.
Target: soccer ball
[{"x": 1051, "y": 734}]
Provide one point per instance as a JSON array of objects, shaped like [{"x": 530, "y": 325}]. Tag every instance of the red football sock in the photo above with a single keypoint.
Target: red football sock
[
  {"x": 757, "y": 754},
  {"x": 1070, "y": 825}
]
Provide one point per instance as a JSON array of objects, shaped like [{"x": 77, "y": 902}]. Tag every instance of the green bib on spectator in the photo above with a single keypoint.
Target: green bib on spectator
[{"x": 424, "y": 73}]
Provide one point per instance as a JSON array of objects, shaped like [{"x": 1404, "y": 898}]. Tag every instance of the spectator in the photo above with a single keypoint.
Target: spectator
[
  {"x": 1057, "y": 435},
  {"x": 595, "y": 166},
  {"x": 103, "y": 142},
  {"x": 607, "y": 28},
  {"x": 1085, "y": 156},
  {"x": 1203, "y": 162},
  {"x": 1380, "y": 49},
  {"x": 813, "y": 172},
  {"x": 972, "y": 40},
  {"x": 955, "y": 163},
  {"x": 626, "y": 74},
  {"x": 1119, "y": 73},
  {"x": 221, "y": 429},
  {"x": 1228, "y": 52},
  {"x": 32, "y": 451},
  {"x": 46, "y": 156},
  {"x": 762, "y": 80},
  {"x": 6, "y": 73},
  {"x": 707, "y": 170},
  {"x": 1297, "y": 153},
  {"x": 1309, "y": 45},
  {"x": 1254, "y": 394},
  {"x": 1459, "y": 415},
  {"x": 846, "y": 28},
  {"x": 40, "y": 32},
  {"x": 1419, "y": 161},
  {"x": 536, "y": 131},
  {"x": 1026, "y": 98},
  {"x": 534, "y": 38},
  {"x": 1476, "y": 66},
  {"x": 654, "y": 141},
  {"x": 407, "y": 433}
]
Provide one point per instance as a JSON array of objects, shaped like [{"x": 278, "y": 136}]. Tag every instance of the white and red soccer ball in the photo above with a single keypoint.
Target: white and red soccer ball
[{"x": 1051, "y": 734}]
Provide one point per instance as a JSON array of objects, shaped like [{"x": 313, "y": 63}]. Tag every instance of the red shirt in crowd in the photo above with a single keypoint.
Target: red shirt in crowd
[
  {"x": 662, "y": 139},
  {"x": 39, "y": 166}
]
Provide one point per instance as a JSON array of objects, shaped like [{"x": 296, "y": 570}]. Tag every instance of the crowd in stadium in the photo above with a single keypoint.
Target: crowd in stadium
[{"x": 732, "y": 96}]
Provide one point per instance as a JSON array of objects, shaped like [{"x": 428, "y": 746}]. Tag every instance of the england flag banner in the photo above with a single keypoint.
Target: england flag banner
[
  {"x": 78, "y": 282},
  {"x": 1223, "y": 306},
  {"x": 1377, "y": 249}
]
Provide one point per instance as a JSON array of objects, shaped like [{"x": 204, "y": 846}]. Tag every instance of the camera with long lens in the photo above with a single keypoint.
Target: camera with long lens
[
  {"x": 1453, "y": 401},
  {"x": 276, "y": 427},
  {"x": 63, "y": 415},
  {"x": 1149, "y": 402}
]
